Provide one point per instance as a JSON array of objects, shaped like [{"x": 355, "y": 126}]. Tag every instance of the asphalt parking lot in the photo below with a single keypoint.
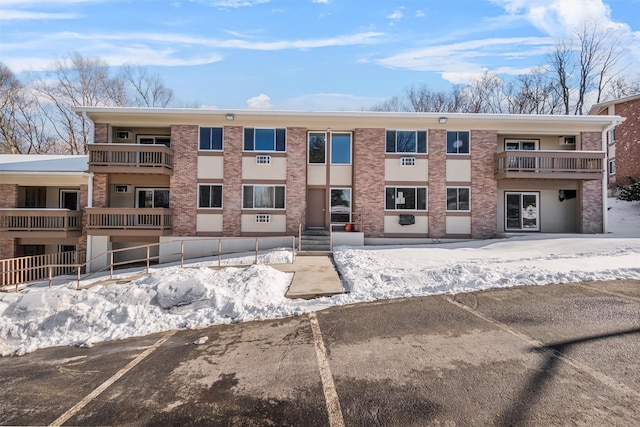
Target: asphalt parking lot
[{"x": 546, "y": 355}]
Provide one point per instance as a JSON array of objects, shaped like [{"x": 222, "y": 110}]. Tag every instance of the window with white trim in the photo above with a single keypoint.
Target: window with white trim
[
  {"x": 406, "y": 141},
  {"x": 263, "y": 197},
  {"x": 406, "y": 198},
  {"x": 258, "y": 139},
  {"x": 459, "y": 199},
  {"x": 211, "y": 138},
  {"x": 155, "y": 140},
  {"x": 457, "y": 142},
  {"x": 612, "y": 167},
  {"x": 340, "y": 205},
  {"x": 340, "y": 148},
  {"x": 317, "y": 147},
  {"x": 209, "y": 196}
]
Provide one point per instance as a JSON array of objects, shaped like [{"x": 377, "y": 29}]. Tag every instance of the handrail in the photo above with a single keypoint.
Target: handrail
[{"x": 148, "y": 258}]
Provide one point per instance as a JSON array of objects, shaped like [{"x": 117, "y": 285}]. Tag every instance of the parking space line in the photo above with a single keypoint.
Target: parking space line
[
  {"x": 597, "y": 375},
  {"x": 95, "y": 393},
  {"x": 329, "y": 388}
]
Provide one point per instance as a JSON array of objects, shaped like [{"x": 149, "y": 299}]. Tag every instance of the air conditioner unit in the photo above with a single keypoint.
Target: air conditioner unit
[
  {"x": 567, "y": 140},
  {"x": 122, "y": 188},
  {"x": 123, "y": 135}
]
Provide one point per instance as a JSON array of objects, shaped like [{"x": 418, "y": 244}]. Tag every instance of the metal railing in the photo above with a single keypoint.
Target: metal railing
[
  {"x": 18, "y": 271},
  {"x": 147, "y": 158},
  {"x": 550, "y": 164},
  {"x": 40, "y": 220}
]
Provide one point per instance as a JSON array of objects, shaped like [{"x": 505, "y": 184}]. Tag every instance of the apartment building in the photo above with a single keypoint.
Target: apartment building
[
  {"x": 41, "y": 203},
  {"x": 166, "y": 174},
  {"x": 623, "y": 141}
]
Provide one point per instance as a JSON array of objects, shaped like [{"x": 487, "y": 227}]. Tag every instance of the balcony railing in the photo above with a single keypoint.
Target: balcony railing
[
  {"x": 129, "y": 221},
  {"x": 42, "y": 223},
  {"x": 131, "y": 158},
  {"x": 562, "y": 164}
]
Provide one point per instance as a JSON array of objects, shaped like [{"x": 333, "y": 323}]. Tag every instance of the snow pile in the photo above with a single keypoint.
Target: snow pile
[{"x": 198, "y": 296}]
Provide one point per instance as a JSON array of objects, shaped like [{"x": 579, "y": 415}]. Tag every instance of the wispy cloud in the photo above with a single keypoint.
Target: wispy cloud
[
  {"x": 18, "y": 15},
  {"x": 396, "y": 14},
  {"x": 321, "y": 1},
  {"x": 236, "y": 3}
]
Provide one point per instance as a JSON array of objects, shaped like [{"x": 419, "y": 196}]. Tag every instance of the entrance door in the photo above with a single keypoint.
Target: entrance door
[
  {"x": 522, "y": 211},
  {"x": 316, "y": 207}
]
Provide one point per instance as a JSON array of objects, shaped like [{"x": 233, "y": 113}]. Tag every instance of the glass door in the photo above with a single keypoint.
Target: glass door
[
  {"x": 521, "y": 211},
  {"x": 149, "y": 198},
  {"x": 518, "y": 162}
]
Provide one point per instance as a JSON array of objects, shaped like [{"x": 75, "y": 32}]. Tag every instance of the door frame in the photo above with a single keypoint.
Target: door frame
[
  {"x": 521, "y": 194},
  {"x": 77, "y": 193},
  {"x": 309, "y": 207}
]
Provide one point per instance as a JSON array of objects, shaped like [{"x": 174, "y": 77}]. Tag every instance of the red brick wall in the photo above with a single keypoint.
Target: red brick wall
[
  {"x": 8, "y": 199},
  {"x": 100, "y": 190},
  {"x": 484, "y": 187},
  {"x": 296, "y": 177},
  {"x": 368, "y": 179},
  {"x": 591, "y": 141},
  {"x": 591, "y": 207},
  {"x": 84, "y": 199},
  {"x": 183, "y": 187},
  {"x": 628, "y": 143},
  {"x": 232, "y": 183},
  {"x": 101, "y": 133},
  {"x": 437, "y": 182}
]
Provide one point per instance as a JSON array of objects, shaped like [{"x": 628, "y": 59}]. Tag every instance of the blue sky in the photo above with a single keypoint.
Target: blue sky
[{"x": 306, "y": 54}]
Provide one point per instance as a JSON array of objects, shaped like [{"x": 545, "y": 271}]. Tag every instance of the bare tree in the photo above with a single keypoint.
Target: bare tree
[
  {"x": 622, "y": 87},
  {"x": 393, "y": 104},
  {"x": 148, "y": 89},
  {"x": 77, "y": 81},
  {"x": 423, "y": 99},
  {"x": 486, "y": 94},
  {"x": 533, "y": 93}
]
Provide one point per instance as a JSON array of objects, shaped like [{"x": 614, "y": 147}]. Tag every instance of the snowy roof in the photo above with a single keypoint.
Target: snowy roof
[{"x": 43, "y": 163}]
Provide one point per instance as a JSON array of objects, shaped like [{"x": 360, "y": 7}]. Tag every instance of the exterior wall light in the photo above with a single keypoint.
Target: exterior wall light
[
  {"x": 230, "y": 117},
  {"x": 442, "y": 120}
]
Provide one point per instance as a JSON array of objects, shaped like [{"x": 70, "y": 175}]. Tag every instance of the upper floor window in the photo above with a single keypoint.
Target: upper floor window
[
  {"x": 263, "y": 196},
  {"x": 406, "y": 141},
  {"x": 340, "y": 148},
  {"x": 317, "y": 147},
  {"x": 612, "y": 167},
  {"x": 210, "y": 138},
  {"x": 209, "y": 196},
  {"x": 458, "y": 199},
  {"x": 406, "y": 198},
  {"x": 457, "y": 142},
  {"x": 154, "y": 139},
  {"x": 257, "y": 139}
]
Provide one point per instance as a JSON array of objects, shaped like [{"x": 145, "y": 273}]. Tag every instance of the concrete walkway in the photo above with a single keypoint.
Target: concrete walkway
[{"x": 314, "y": 276}]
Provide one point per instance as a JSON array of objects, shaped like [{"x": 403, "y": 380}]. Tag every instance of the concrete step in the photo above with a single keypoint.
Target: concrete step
[{"x": 315, "y": 232}]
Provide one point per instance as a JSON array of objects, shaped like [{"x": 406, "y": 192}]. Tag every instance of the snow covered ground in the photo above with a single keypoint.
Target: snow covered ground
[{"x": 196, "y": 297}]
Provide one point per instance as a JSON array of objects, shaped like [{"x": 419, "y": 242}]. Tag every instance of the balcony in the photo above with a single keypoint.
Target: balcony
[
  {"x": 131, "y": 158},
  {"x": 551, "y": 164},
  {"x": 129, "y": 221},
  {"x": 40, "y": 223}
]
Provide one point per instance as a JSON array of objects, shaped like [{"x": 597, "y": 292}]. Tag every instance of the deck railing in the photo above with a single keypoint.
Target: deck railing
[
  {"x": 16, "y": 271},
  {"x": 557, "y": 164},
  {"x": 130, "y": 158},
  {"x": 40, "y": 220},
  {"x": 156, "y": 221}
]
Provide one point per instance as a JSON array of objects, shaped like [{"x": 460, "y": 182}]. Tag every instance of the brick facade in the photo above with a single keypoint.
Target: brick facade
[
  {"x": 101, "y": 135},
  {"x": 296, "y": 177},
  {"x": 591, "y": 207},
  {"x": 100, "y": 190},
  {"x": 437, "y": 182},
  {"x": 232, "y": 183},
  {"x": 484, "y": 187},
  {"x": 8, "y": 199},
  {"x": 184, "y": 181},
  {"x": 368, "y": 179},
  {"x": 628, "y": 143}
]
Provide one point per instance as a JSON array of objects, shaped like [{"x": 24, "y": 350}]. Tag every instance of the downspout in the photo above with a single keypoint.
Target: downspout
[
  {"x": 605, "y": 148},
  {"x": 89, "y": 254}
]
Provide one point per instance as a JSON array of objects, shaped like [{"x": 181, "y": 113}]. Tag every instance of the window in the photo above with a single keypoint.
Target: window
[
  {"x": 340, "y": 205},
  {"x": 211, "y": 138},
  {"x": 340, "y": 148},
  {"x": 155, "y": 139},
  {"x": 406, "y": 141},
  {"x": 317, "y": 147},
  {"x": 457, "y": 142},
  {"x": 35, "y": 197},
  {"x": 612, "y": 167},
  {"x": 611, "y": 136},
  {"x": 458, "y": 199},
  {"x": 70, "y": 199},
  {"x": 256, "y": 139},
  {"x": 406, "y": 198},
  {"x": 263, "y": 197},
  {"x": 152, "y": 198},
  {"x": 209, "y": 196}
]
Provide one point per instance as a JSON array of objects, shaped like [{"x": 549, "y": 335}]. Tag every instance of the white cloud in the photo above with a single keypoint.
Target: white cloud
[
  {"x": 396, "y": 14},
  {"x": 18, "y": 15},
  {"x": 260, "y": 102},
  {"x": 419, "y": 13},
  {"x": 237, "y": 3},
  {"x": 321, "y": 1}
]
